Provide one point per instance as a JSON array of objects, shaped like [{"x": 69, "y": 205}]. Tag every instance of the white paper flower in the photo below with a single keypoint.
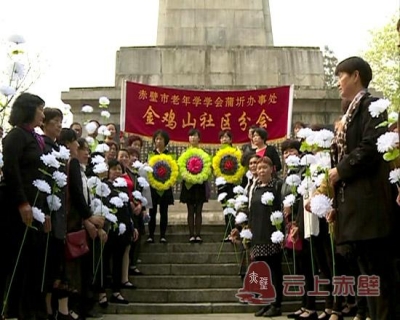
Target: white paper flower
[
  {"x": 292, "y": 161},
  {"x": 322, "y": 160},
  {"x": 144, "y": 170},
  {"x": 18, "y": 71},
  {"x": 249, "y": 175},
  {"x": 102, "y": 148},
  {"x": 105, "y": 114},
  {"x": 102, "y": 210},
  {"x": 63, "y": 154},
  {"x": 238, "y": 190},
  {"x": 93, "y": 182},
  {"x": 104, "y": 101},
  {"x": 111, "y": 217},
  {"x": 387, "y": 142},
  {"x": 144, "y": 201},
  {"x": 240, "y": 218},
  {"x": 103, "y": 131},
  {"x": 306, "y": 187},
  {"x": 38, "y": 215},
  {"x": 319, "y": 179},
  {"x": 220, "y": 181},
  {"x": 377, "y": 107},
  {"x": 1, "y": 160},
  {"x": 304, "y": 133},
  {"x": 7, "y": 90},
  {"x": 267, "y": 198},
  {"x": 276, "y": 218},
  {"x": 143, "y": 182},
  {"x": 320, "y": 205},
  {"x": 242, "y": 199},
  {"x": 121, "y": 228},
  {"x": 91, "y": 127},
  {"x": 293, "y": 180},
  {"x": 277, "y": 237},
  {"x": 222, "y": 196},
  {"x": 307, "y": 160},
  {"x": 136, "y": 195},
  {"x": 16, "y": 38},
  {"x": 123, "y": 196},
  {"x": 42, "y": 186},
  {"x": 323, "y": 138},
  {"x": 87, "y": 109},
  {"x": 229, "y": 210},
  {"x": 394, "y": 176},
  {"x": 246, "y": 234},
  {"x": 60, "y": 178},
  {"x": 94, "y": 204},
  {"x": 393, "y": 117},
  {"x": 289, "y": 200},
  {"x": 120, "y": 183},
  {"x": 90, "y": 141},
  {"x": 53, "y": 202},
  {"x": 137, "y": 164},
  {"x": 100, "y": 168},
  {"x": 98, "y": 159},
  {"x": 102, "y": 190},
  {"x": 50, "y": 160},
  {"x": 117, "y": 202}
]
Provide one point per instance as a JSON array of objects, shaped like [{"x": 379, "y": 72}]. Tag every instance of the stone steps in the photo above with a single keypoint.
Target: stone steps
[{"x": 185, "y": 278}]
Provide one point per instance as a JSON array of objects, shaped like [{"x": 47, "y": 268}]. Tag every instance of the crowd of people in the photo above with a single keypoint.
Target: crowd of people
[{"x": 60, "y": 183}]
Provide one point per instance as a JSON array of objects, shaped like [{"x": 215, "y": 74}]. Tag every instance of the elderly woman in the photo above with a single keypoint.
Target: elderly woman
[{"x": 22, "y": 149}]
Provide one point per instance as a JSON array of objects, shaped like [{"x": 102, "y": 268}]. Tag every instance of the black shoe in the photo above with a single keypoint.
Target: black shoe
[
  {"x": 296, "y": 314},
  {"x": 163, "y": 240},
  {"x": 103, "y": 302},
  {"x": 260, "y": 312},
  {"x": 118, "y": 299},
  {"x": 273, "y": 312},
  {"x": 68, "y": 316},
  {"x": 199, "y": 239},
  {"x": 324, "y": 316},
  {"x": 349, "y": 311},
  {"x": 192, "y": 239},
  {"x": 307, "y": 314},
  {"x": 150, "y": 240},
  {"x": 135, "y": 272},
  {"x": 128, "y": 285}
]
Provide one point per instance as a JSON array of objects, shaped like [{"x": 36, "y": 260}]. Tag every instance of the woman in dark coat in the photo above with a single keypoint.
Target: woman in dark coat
[
  {"x": 364, "y": 200},
  {"x": 22, "y": 149}
]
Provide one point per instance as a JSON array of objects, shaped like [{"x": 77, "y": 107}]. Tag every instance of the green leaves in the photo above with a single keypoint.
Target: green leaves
[{"x": 391, "y": 155}]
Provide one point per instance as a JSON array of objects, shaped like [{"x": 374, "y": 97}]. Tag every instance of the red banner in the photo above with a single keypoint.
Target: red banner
[{"x": 145, "y": 109}]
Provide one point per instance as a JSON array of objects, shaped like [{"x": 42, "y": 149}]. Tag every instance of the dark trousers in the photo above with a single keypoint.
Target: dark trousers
[
  {"x": 275, "y": 263},
  {"x": 375, "y": 258},
  {"x": 163, "y": 219}
]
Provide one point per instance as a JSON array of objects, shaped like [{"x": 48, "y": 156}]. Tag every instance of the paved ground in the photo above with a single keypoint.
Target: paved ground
[{"x": 215, "y": 316}]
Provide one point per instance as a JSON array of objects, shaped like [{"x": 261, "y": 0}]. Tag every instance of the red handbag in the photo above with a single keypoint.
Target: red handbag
[{"x": 76, "y": 244}]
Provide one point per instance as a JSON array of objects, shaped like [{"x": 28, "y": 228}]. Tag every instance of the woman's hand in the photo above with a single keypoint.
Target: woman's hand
[
  {"x": 47, "y": 224},
  {"x": 137, "y": 209},
  {"x": 294, "y": 233},
  {"x": 26, "y": 214},
  {"x": 331, "y": 216},
  {"x": 90, "y": 228},
  {"x": 287, "y": 211},
  {"x": 98, "y": 221},
  {"x": 135, "y": 235},
  {"x": 102, "y": 235}
]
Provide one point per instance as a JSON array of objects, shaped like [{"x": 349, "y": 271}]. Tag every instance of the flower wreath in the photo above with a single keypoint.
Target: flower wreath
[
  {"x": 165, "y": 172},
  {"x": 226, "y": 164},
  {"x": 194, "y": 166}
]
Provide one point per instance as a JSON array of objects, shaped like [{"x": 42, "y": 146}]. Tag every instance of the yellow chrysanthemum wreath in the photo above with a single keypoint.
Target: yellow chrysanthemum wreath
[
  {"x": 195, "y": 166},
  {"x": 226, "y": 164},
  {"x": 165, "y": 172}
]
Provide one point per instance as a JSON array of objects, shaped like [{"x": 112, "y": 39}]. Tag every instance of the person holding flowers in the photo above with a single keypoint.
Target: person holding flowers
[
  {"x": 265, "y": 225},
  {"x": 23, "y": 237},
  {"x": 195, "y": 169},
  {"x": 161, "y": 181},
  {"x": 364, "y": 206}
]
